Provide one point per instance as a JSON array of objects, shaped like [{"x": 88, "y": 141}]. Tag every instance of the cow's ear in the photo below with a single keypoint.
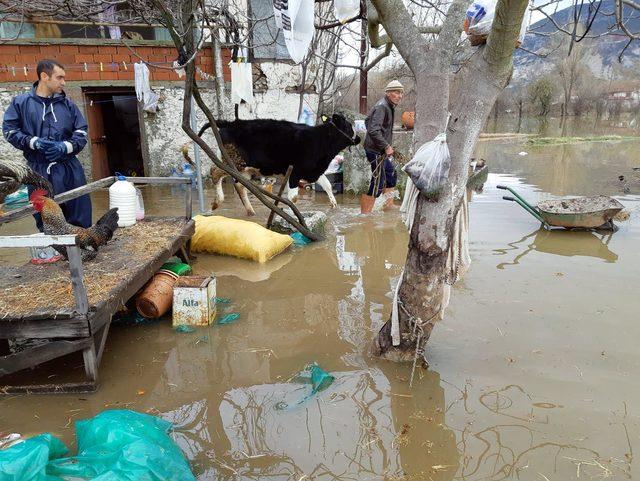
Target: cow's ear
[{"x": 324, "y": 118}]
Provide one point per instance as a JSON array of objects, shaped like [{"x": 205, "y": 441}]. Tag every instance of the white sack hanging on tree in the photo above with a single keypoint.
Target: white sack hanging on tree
[
  {"x": 295, "y": 17},
  {"x": 241, "y": 82},
  {"x": 346, "y": 9}
]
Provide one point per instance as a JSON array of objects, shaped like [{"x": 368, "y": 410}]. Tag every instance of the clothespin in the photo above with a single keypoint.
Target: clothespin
[
  {"x": 124, "y": 64},
  {"x": 91, "y": 104},
  {"x": 13, "y": 71},
  {"x": 85, "y": 67},
  {"x": 101, "y": 67},
  {"x": 25, "y": 70}
]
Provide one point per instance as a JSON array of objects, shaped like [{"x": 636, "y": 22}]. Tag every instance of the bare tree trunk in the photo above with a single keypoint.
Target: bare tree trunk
[{"x": 422, "y": 294}]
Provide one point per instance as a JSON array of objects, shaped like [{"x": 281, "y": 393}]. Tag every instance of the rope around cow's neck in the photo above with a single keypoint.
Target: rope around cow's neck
[{"x": 336, "y": 127}]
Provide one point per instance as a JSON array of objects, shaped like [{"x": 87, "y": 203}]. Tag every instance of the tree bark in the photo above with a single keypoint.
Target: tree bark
[{"x": 423, "y": 292}]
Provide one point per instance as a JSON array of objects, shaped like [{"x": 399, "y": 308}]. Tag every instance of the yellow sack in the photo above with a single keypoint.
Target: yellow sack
[{"x": 239, "y": 238}]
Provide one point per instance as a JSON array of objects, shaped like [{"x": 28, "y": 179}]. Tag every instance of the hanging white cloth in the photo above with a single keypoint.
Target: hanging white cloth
[
  {"x": 144, "y": 93},
  {"x": 458, "y": 258},
  {"x": 241, "y": 82},
  {"x": 295, "y": 18},
  {"x": 109, "y": 15}
]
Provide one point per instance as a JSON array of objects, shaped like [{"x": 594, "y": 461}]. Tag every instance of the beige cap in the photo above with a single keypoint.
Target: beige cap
[{"x": 394, "y": 85}]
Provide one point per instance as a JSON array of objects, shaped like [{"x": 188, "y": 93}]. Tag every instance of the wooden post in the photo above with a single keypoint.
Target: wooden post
[
  {"x": 79, "y": 291},
  {"x": 188, "y": 196},
  {"x": 284, "y": 184}
]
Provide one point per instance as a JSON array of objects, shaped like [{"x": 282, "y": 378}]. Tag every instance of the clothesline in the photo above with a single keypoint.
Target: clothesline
[{"x": 25, "y": 70}]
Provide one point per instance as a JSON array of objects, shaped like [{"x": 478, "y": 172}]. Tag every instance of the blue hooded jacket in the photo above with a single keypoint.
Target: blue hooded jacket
[{"x": 57, "y": 118}]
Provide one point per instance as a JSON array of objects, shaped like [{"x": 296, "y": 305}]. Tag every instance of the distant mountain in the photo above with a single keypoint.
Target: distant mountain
[{"x": 602, "y": 52}]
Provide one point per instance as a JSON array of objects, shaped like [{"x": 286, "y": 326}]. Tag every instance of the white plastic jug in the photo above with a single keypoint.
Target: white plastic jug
[{"x": 122, "y": 194}]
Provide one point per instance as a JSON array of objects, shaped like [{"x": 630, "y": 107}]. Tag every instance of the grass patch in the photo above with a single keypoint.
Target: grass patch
[{"x": 575, "y": 140}]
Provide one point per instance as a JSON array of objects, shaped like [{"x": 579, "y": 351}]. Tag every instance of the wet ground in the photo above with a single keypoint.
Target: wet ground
[{"x": 533, "y": 372}]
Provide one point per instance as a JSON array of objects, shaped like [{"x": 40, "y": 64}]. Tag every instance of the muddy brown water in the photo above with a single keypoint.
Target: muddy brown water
[{"x": 533, "y": 372}]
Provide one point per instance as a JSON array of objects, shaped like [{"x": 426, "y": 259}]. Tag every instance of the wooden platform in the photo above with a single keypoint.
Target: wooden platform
[{"x": 71, "y": 311}]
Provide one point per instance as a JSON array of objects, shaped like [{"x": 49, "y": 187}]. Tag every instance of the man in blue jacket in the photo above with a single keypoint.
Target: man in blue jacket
[{"x": 51, "y": 131}]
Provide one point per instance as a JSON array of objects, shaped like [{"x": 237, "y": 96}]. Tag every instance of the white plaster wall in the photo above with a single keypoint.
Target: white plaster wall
[{"x": 276, "y": 102}]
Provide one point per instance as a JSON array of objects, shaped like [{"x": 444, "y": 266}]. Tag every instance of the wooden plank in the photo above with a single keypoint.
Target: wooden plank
[
  {"x": 62, "y": 388},
  {"x": 140, "y": 279},
  {"x": 77, "y": 280},
  {"x": 34, "y": 356},
  {"x": 159, "y": 180},
  {"x": 91, "y": 187},
  {"x": 65, "y": 196},
  {"x": 37, "y": 240},
  {"x": 46, "y": 328}
]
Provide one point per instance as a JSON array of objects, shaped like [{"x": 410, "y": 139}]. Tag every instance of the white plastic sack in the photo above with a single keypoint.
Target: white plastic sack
[
  {"x": 241, "y": 82},
  {"x": 346, "y": 9},
  {"x": 295, "y": 17},
  {"x": 429, "y": 168},
  {"x": 480, "y": 17}
]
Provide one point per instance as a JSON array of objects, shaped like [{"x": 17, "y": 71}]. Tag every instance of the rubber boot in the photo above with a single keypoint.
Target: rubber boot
[
  {"x": 388, "y": 204},
  {"x": 366, "y": 203}
]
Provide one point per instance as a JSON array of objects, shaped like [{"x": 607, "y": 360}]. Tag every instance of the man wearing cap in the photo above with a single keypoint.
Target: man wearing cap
[{"x": 379, "y": 149}]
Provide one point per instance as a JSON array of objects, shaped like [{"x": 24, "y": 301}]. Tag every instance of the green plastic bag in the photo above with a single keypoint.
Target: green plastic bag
[
  {"x": 314, "y": 375},
  {"x": 228, "y": 318},
  {"x": 117, "y": 445},
  {"x": 27, "y": 460}
]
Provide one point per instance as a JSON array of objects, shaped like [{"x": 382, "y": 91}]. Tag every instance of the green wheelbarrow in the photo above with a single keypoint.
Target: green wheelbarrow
[{"x": 580, "y": 213}]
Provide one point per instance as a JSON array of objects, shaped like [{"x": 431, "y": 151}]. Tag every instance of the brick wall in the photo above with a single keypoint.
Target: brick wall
[{"x": 15, "y": 56}]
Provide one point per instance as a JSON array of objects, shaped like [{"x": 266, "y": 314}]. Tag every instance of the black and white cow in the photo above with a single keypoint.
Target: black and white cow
[{"x": 267, "y": 147}]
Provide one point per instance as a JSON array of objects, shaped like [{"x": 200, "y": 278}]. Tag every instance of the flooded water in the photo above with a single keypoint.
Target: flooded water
[{"x": 532, "y": 373}]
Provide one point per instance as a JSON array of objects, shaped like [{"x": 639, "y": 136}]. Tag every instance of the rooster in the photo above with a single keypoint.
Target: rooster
[
  {"x": 15, "y": 173},
  {"x": 89, "y": 240}
]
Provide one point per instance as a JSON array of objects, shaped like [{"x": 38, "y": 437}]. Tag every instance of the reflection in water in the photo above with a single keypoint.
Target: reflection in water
[
  {"x": 355, "y": 429},
  {"x": 582, "y": 169},
  {"x": 563, "y": 243}
]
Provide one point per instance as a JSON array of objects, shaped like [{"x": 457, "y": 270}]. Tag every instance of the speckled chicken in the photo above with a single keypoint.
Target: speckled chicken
[
  {"x": 14, "y": 173},
  {"x": 89, "y": 240}
]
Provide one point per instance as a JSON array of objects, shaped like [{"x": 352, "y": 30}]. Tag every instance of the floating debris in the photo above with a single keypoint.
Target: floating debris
[
  {"x": 184, "y": 328},
  {"x": 300, "y": 239},
  {"x": 228, "y": 318}
]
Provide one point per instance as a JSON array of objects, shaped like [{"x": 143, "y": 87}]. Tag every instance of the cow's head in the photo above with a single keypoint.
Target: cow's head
[{"x": 344, "y": 126}]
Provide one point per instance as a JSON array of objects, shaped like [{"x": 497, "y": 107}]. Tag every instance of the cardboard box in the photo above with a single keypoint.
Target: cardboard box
[{"x": 194, "y": 301}]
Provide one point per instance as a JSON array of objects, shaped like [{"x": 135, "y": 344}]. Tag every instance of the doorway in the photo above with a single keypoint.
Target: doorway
[{"x": 117, "y": 144}]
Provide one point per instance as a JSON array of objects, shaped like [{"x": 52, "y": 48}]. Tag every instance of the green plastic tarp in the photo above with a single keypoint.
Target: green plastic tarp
[{"x": 116, "y": 445}]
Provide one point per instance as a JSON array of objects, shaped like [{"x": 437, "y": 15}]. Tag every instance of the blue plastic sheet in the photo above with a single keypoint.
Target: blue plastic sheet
[
  {"x": 117, "y": 445},
  {"x": 300, "y": 239}
]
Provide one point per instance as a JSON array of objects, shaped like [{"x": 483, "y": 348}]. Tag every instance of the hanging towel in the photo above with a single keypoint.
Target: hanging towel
[
  {"x": 295, "y": 17},
  {"x": 144, "y": 93},
  {"x": 458, "y": 259},
  {"x": 241, "y": 82}
]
